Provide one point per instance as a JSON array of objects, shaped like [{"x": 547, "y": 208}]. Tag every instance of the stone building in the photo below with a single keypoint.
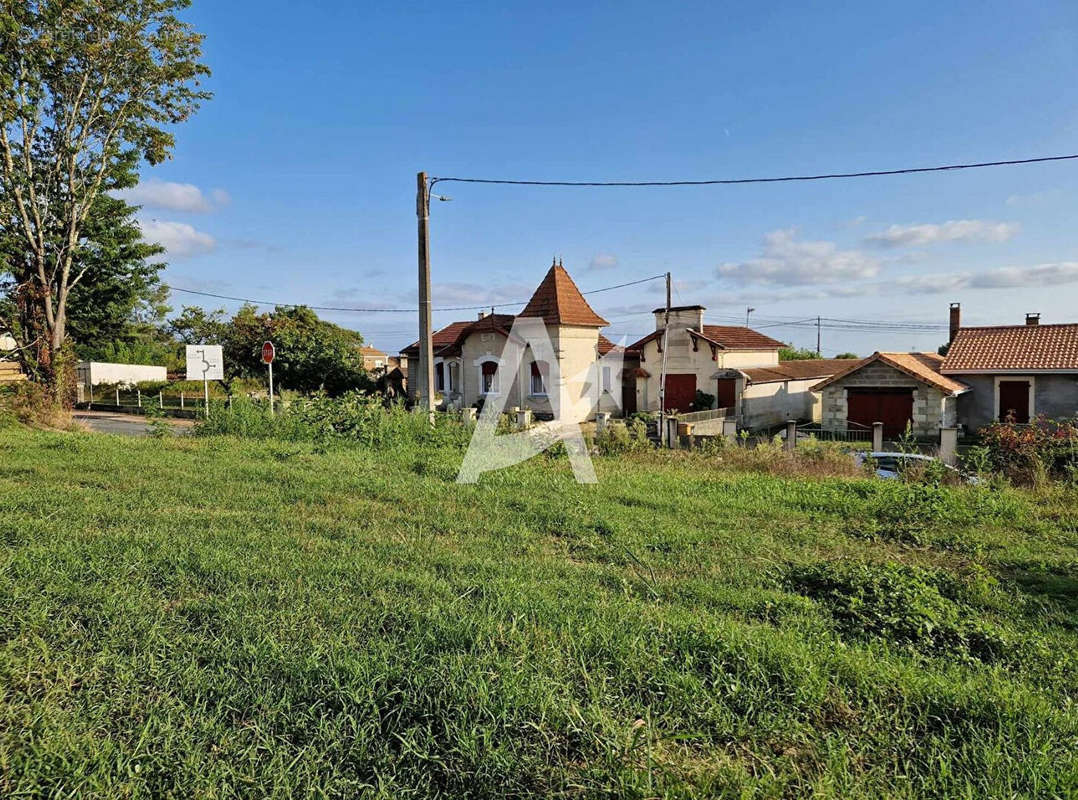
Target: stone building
[{"x": 893, "y": 388}]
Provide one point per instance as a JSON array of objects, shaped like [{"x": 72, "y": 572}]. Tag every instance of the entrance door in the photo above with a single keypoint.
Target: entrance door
[
  {"x": 680, "y": 392},
  {"x": 1014, "y": 401},
  {"x": 726, "y": 392},
  {"x": 892, "y": 407},
  {"x": 628, "y": 394}
]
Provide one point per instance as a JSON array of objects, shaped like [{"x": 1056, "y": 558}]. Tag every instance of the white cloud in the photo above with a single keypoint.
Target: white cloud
[
  {"x": 603, "y": 261},
  {"x": 178, "y": 238},
  {"x": 785, "y": 260},
  {"x": 956, "y": 230},
  {"x": 1041, "y": 275},
  {"x": 174, "y": 196}
]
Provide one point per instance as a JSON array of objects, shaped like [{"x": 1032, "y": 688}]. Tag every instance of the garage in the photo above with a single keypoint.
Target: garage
[{"x": 892, "y": 407}]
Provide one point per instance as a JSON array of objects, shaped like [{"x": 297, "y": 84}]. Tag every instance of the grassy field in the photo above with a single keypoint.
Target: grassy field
[{"x": 222, "y": 618}]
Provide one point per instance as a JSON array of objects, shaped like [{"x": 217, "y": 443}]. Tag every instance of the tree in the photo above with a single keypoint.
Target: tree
[
  {"x": 87, "y": 89},
  {"x": 847, "y": 355},
  {"x": 120, "y": 304},
  {"x": 312, "y": 354},
  {"x": 793, "y": 354}
]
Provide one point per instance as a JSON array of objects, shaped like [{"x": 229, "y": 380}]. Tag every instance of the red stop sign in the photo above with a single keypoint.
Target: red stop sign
[{"x": 268, "y": 353}]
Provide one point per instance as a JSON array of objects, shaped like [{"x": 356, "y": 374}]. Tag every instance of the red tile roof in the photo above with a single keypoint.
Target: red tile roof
[
  {"x": 1013, "y": 347},
  {"x": 605, "y": 345},
  {"x": 446, "y": 337},
  {"x": 728, "y": 337},
  {"x": 559, "y": 302},
  {"x": 923, "y": 367},
  {"x": 799, "y": 370}
]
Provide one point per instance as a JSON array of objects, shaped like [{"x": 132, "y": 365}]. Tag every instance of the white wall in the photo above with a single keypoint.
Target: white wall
[{"x": 95, "y": 373}]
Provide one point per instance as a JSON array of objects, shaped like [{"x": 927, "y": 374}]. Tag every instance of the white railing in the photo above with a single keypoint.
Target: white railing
[{"x": 711, "y": 413}]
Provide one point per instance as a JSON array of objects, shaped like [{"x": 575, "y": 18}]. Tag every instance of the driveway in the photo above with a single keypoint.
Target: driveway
[{"x": 124, "y": 424}]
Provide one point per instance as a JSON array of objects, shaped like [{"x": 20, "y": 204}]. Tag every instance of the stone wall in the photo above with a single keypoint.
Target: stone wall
[{"x": 931, "y": 408}]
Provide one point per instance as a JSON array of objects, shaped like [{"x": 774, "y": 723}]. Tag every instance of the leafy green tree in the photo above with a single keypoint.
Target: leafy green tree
[
  {"x": 120, "y": 301},
  {"x": 847, "y": 355},
  {"x": 87, "y": 89},
  {"x": 312, "y": 354},
  {"x": 794, "y": 354}
]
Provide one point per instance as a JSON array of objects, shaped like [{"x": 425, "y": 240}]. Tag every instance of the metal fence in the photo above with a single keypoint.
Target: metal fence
[
  {"x": 134, "y": 399},
  {"x": 852, "y": 432}
]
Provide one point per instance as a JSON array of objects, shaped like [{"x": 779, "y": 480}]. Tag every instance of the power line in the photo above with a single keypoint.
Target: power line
[
  {"x": 391, "y": 310},
  {"x": 782, "y": 179}
]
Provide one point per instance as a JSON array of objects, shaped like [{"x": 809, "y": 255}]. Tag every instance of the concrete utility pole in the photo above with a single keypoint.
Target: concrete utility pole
[
  {"x": 662, "y": 371},
  {"x": 747, "y": 312},
  {"x": 424, "y": 387},
  {"x": 818, "y": 338}
]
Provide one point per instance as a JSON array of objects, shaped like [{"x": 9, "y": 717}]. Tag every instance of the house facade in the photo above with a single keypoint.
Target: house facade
[
  {"x": 736, "y": 365},
  {"x": 1014, "y": 372},
  {"x": 994, "y": 373},
  {"x": 468, "y": 356},
  {"x": 374, "y": 360}
]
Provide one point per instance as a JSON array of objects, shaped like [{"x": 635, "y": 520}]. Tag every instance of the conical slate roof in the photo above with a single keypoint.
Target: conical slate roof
[{"x": 559, "y": 302}]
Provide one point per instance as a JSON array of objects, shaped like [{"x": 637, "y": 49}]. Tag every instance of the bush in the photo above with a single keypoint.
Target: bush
[
  {"x": 1030, "y": 454},
  {"x": 352, "y": 417},
  {"x": 617, "y": 438},
  {"x": 31, "y": 403},
  {"x": 703, "y": 401}
]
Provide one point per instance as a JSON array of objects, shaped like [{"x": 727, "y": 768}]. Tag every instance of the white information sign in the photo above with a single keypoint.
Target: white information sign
[{"x": 205, "y": 362}]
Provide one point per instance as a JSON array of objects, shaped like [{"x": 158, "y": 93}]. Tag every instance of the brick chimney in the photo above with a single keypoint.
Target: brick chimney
[
  {"x": 1033, "y": 319},
  {"x": 956, "y": 319}
]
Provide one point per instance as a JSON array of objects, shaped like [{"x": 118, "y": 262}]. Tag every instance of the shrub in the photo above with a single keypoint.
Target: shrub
[
  {"x": 617, "y": 438},
  {"x": 31, "y": 404},
  {"x": 352, "y": 417},
  {"x": 1028, "y": 454},
  {"x": 703, "y": 401}
]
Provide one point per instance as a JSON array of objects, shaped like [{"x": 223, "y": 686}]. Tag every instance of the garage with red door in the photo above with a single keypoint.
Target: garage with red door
[{"x": 892, "y": 407}]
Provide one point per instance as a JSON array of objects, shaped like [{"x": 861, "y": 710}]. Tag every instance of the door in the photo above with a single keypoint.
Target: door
[
  {"x": 680, "y": 392},
  {"x": 726, "y": 392},
  {"x": 892, "y": 407},
  {"x": 1014, "y": 401},
  {"x": 628, "y": 393}
]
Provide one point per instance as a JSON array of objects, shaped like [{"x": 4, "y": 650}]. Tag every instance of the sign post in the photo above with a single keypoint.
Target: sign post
[
  {"x": 205, "y": 362},
  {"x": 269, "y": 352}
]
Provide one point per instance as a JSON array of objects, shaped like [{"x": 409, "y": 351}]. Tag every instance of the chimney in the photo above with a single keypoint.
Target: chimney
[
  {"x": 956, "y": 319},
  {"x": 482, "y": 315},
  {"x": 1033, "y": 319}
]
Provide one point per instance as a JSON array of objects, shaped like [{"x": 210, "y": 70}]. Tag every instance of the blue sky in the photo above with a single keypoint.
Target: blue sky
[{"x": 297, "y": 181}]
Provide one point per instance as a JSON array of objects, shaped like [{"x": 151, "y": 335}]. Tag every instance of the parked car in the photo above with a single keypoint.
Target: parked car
[{"x": 890, "y": 465}]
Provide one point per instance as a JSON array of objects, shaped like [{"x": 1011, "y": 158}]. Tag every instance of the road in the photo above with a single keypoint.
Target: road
[{"x": 124, "y": 424}]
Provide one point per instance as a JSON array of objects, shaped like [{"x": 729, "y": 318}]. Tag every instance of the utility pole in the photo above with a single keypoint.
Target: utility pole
[
  {"x": 747, "y": 312},
  {"x": 662, "y": 371},
  {"x": 818, "y": 338},
  {"x": 425, "y": 374}
]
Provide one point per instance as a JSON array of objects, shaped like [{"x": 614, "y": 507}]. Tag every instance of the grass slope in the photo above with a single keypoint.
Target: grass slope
[{"x": 220, "y": 618}]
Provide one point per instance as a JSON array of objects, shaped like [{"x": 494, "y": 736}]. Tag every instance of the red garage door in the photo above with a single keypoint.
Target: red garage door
[
  {"x": 680, "y": 392},
  {"x": 892, "y": 407}
]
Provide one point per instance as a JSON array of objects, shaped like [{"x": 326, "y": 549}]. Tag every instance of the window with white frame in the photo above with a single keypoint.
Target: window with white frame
[
  {"x": 439, "y": 376},
  {"x": 540, "y": 377},
  {"x": 451, "y": 376},
  {"x": 488, "y": 377}
]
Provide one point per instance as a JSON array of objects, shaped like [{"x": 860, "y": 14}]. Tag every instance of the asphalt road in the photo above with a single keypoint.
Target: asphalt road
[{"x": 124, "y": 424}]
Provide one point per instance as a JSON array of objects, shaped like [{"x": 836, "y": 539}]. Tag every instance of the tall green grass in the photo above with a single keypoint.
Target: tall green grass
[{"x": 220, "y": 617}]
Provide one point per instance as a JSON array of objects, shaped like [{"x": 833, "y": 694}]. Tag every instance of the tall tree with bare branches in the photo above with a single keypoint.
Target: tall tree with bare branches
[{"x": 86, "y": 88}]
